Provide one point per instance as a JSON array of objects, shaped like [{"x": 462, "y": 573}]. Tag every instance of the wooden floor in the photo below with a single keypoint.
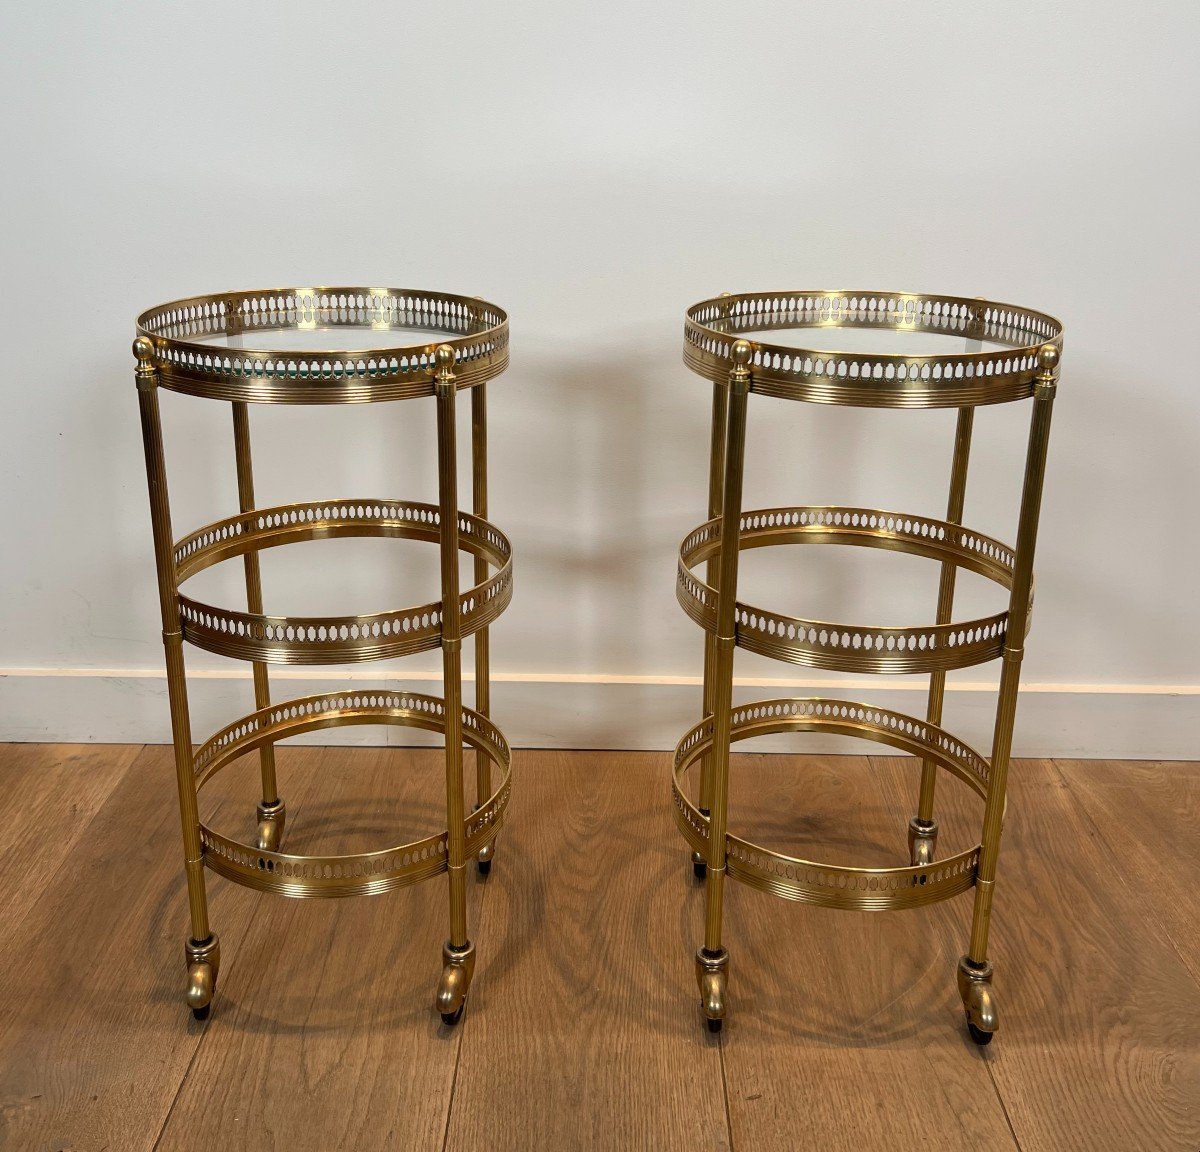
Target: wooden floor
[{"x": 583, "y": 1027}]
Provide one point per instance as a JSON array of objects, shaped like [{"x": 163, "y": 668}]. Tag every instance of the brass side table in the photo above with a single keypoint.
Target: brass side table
[
  {"x": 1011, "y": 354},
  {"x": 258, "y": 348}
]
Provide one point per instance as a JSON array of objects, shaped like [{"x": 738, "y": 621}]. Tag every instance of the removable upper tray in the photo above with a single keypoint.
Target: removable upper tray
[
  {"x": 323, "y": 345},
  {"x": 993, "y": 360}
]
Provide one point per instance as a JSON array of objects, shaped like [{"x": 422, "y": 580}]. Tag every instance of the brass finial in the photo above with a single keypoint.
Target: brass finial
[{"x": 1048, "y": 355}]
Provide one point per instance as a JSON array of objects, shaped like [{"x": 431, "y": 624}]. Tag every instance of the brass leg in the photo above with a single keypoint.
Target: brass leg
[
  {"x": 483, "y": 693},
  {"x": 712, "y": 960},
  {"x": 202, "y": 948},
  {"x": 271, "y": 810},
  {"x": 716, "y": 481},
  {"x": 975, "y": 970},
  {"x": 923, "y": 828},
  {"x": 459, "y": 953}
]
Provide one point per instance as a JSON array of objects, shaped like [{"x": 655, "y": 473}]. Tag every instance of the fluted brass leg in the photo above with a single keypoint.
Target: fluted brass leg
[
  {"x": 483, "y": 693},
  {"x": 459, "y": 954},
  {"x": 716, "y": 482},
  {"x": 269, "y": 834},
  {"x": 923, "y": 829},
  {"x": 975, "y": 970},
  {"x": 202, "y": 949},
  {"x": 713, "y": 956}
]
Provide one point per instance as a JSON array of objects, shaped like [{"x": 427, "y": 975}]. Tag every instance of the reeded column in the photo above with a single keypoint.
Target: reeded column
[{"x": 202, "y": 949}]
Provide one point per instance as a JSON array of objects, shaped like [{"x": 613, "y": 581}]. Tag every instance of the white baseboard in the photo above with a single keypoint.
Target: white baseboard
[{"x": 1126, "y": 721}]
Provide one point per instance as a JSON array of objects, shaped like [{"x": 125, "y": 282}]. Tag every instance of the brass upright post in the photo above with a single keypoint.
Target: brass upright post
[
  {"x": 483, "y": 688},
  {"x": 716, "y": 481},
  {"x": 458, "y": 953},
  {"x": 974, "y": 969},
  {"x": 923, "y": 829},
  {"x": 271, "y": 808},
  {"x": 201, "y": 949},
  {"x": 712, "y": 959}
]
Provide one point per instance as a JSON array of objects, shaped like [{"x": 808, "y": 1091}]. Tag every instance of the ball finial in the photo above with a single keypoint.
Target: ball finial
[
  {"x": 143, "y": 350},
  {"x": 742, "y": 353},
  {"x": 1048, "y": 357},
  {"x": 444, "y": 356}
]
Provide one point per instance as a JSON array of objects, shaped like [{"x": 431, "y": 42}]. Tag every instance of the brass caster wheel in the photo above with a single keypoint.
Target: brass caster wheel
[
  {"x": 458, "y": 966},
  {"x": 979, "y": 1001},
  {"x": 712, "y": 969},
  {"x": 922, "y": 841},
  {"x": 483, "y": 861},
  {"x": 203, "y": 962},
  {"x": 270, "y": 826}
]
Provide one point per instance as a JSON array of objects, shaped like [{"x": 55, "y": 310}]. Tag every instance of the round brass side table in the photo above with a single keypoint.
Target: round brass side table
[
  {"x": 258, "y": 348},
  {"x": 1011, "y": 354}
]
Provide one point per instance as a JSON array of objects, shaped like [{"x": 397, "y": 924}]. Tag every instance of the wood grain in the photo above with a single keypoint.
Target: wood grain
[
  {"x": 1148, "y": 813},
  {"x": 585, "y": 1031},
  {"x": 50, "y": 794},
  {"x": 583, "y": 1028},
  {"x": 1098, "y": 1046},
  {"x": 845, "y": 1027},
  {"x": 326, "y": 1036},
  {"x": 94, "y": 1036}
]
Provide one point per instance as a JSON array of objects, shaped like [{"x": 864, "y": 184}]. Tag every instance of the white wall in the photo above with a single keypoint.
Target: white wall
[{"x": 594, "y": 169}]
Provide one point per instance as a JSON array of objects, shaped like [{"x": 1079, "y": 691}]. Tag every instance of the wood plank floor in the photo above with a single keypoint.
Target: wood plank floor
[{"x": 583, "y": 1028}]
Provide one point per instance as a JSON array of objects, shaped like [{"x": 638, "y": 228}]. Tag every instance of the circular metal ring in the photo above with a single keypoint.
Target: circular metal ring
[
  {"x": 395, "y": 369},
  {"x": 870, "y": 379},
  {"x": 831, "y": 885},
  {"x": 360, "y": 873},
  {"x": 846, "y": 647},
  {"x": 336, "y": 639}
]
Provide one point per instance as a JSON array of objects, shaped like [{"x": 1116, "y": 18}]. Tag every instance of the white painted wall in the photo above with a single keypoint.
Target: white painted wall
[{"x": 594, "y": 169}]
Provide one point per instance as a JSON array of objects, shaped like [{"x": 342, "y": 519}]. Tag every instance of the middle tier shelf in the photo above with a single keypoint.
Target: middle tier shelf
[
  {"x": 336, "y": 639},
  {"x": 849, "y": 647}
]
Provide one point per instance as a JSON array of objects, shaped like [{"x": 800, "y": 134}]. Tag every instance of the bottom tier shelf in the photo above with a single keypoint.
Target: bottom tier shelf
[
  {"x": 830, "y": 885},
  {"x": 358, "y": 873}
]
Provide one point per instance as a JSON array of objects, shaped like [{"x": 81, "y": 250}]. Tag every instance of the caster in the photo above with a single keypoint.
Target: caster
[
  {"x": 699, "y": 866},
  {"x": 483, "y": 861},
  {"x": 922, "y": 841},
  {"x": 712, "y": 969},
  {"x": 203, "y": 962},
  {"x": 979, "y": 1001},
  {"x": 270, "y": 826},
  {"x": 458, "y": 966}
]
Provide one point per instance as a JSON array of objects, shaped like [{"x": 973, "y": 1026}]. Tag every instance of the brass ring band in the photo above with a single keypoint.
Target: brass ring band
[
  {"x": 362, "y": 872},
  {"x": 845, "y": 647},
  {"x": 476, "y": 330},
  {"x": 872, "y": 379},
  {"x": 336, "y": 639},
  {"x": 830, "y": 885}
]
